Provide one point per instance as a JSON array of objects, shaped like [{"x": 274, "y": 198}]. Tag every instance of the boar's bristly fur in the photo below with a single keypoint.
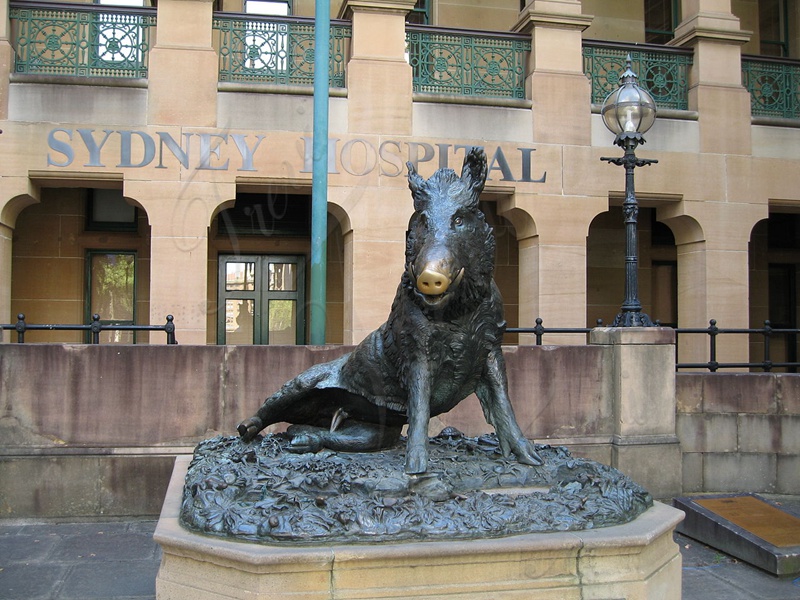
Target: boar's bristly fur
[{"x": 440, "y": 343}]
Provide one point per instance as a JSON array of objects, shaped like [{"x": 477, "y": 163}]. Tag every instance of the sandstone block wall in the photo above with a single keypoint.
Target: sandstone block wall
[
  {"x": 739, "y": 432},
  {"x": 94, "y": 430}
]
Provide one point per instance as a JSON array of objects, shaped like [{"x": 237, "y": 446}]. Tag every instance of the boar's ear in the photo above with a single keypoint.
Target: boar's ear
[
  {"x": 474, "y": 172},
  {"x": 417, "y": 186}
]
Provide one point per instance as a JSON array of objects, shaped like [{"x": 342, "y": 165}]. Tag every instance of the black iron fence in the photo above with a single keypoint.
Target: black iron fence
[
  {"x": 767, "y": 336},
  {"x": 540, "y": 330},
  {"x": 94, "y": 328}
]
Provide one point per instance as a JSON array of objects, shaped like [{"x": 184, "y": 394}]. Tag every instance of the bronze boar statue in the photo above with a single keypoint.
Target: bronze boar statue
[{"x": 440, "y": 343}]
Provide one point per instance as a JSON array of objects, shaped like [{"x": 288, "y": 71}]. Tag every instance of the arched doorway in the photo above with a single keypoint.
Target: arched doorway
[
  {"x": 79, "y": 252},
  {"x": 506, "y": 265},
  {"x": 605, "y": 270},
  {"x": 259, "y": 247},
  {"x": 775, "y": 285}
]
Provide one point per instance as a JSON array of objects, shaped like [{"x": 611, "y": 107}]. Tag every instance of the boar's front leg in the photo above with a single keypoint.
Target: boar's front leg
[
  {"x": 418, "y": 413},
  {"x": 492, "y": 391}
]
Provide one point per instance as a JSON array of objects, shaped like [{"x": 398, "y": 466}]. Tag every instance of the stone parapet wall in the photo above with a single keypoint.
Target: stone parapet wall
[
  {"x": 739, "y": 432},
  {"x": 93, "y": 430}
]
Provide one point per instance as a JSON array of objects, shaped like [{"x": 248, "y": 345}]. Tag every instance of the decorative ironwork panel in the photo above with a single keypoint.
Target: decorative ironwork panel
[
  {"x": 79, "y": 43},
  {"x": 467, "y": 65},
  {"x": 276, "y": 51},
  {"x": 662, "y": 73},
  {"x": 774, "y": 87}
]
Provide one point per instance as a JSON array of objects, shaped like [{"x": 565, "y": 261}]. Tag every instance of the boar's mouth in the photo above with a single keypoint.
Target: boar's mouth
[{"x": 434, "y": 288}]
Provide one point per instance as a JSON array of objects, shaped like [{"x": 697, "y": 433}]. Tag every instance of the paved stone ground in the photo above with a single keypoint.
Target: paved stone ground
[
  {"x": 712, "y": 575},
  {"x": 78, "y": 561},
  {"x": 119, "y": 561}
]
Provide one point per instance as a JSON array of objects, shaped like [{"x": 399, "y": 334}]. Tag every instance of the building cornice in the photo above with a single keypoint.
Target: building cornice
[
  {"x": 714, "y": 27},
  {"x": 383, "y": 6},
  {"x": 558, "y": 15}
]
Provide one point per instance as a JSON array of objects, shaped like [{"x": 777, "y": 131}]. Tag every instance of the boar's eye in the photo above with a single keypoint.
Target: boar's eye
[{"x": 458, "y": 221}]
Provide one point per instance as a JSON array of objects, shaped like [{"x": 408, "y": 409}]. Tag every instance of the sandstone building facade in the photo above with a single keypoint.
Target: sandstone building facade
[{"x": 158, "y": 160}]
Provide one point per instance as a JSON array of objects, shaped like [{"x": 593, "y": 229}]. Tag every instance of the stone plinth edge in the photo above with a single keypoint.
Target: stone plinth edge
[
  {"x": 636, "y": 560},
  {"x": 611, "y": 336}
]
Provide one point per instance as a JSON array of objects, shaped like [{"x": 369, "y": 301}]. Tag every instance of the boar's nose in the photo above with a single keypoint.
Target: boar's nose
[{"x": 433, "y": 283}]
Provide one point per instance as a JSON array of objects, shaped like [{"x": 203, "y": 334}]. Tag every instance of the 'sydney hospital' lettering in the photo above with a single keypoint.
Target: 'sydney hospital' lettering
[
  {"x": 145, "y": 148},
  {"x": 390, "y": 157},
  {"x": 136, "y": 149}
]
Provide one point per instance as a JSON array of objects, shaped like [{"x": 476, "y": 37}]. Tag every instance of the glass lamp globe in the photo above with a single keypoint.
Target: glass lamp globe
[{"x": 629, "y": 108}]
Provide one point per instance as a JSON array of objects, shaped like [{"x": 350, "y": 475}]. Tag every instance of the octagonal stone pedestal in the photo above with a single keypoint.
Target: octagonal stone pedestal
[{"x": 636, "y": 561}]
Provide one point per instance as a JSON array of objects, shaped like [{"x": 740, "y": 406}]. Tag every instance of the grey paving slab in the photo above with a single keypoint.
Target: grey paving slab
[
  {"x": 110, "y": 579},
  {"x": 709, "y": 574},
  {"x": 78, "y": 561},
  {"x": 100, "y": 546},
  {"x": 700, "y": 584},
  {"x": 26, "y": 548},
  {"x": 30, "y": 581}
]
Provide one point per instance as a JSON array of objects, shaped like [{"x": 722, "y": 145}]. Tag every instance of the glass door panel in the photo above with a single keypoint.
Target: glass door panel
[
  {"x": 239, "y": 321},
  {"x": 261, "y": 300},
  {"x": 112, "y": 292},
  {"x": 282, "y": 277},
  {"x": 240, "y": 276},
  {"x": 282, "y": 322},
  {"x": 112, "y": 286}
]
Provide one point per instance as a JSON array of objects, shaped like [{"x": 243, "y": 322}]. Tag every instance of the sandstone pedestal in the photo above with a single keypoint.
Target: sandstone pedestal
[{"x": 635, "y": 561}]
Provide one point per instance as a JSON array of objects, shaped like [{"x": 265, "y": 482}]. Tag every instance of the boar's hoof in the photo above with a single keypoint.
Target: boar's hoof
[
  {"x": 416, "y": 461},
  {"x": 527, "y": 455},
  {"x": 249, "y": 428},
  {"x": 305, "y": 439},
  {"x": 305, "y": 443}
]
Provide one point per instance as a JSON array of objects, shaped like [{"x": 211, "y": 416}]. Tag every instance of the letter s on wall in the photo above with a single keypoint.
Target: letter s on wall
[{"x": 61, "y": 147}]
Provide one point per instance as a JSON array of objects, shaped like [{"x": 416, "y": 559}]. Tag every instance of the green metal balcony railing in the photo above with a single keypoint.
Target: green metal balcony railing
[
  {"x": 455, "y": 62},
  {"x": 774, "y": 86},
  {"x": 278, "y": 50},
  {"x": 81, "y": 40},
  {"x": 662, "y": 70}
]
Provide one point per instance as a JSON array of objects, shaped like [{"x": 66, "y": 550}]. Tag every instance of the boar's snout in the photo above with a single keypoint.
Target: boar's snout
[{"x": 432, "y": 283}]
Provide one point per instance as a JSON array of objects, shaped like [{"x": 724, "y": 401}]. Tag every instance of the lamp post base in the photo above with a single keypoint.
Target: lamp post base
[{"x": 632, "y": 318}]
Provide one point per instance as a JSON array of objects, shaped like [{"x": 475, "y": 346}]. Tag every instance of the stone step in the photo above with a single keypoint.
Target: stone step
[{"x": 745, "y": 526}]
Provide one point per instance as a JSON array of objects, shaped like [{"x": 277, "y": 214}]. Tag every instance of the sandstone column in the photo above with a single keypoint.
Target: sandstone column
[
  {"x": 379, "y": 102},
  {"x": 374, "y": 250},
  {"x": 713, "y": 271},
  {"x": 715, "y": 79},
  {"x": 378, "y": 76},
  {"x": 179, "y": 214},
  {"x": 552, "y": 249},
  {"x": 552, "y": 257},
  {"x": 6, "y": 59},
  {"x": 723, "y": 104},
  {"x": 183, "y": 68},
  {"x": 559, "y": 89}
]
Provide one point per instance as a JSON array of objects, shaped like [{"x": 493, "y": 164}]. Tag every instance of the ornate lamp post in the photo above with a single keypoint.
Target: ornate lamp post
[{"x": 629, "y": 112}]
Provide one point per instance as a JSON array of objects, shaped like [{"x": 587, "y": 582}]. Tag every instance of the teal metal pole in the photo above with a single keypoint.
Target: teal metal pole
[{"x": 319, "y": 190}]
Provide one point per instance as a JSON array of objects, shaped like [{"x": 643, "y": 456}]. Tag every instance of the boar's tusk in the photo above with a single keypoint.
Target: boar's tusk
[
  {"x": 459, "y": 277},
  {"x": 338, "y": 418}
]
